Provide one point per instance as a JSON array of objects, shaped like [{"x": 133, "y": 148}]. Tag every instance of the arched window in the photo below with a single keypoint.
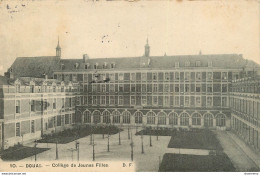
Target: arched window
[
  {"x": 196, "y": 119},
  {"x": 116, "y": 117},
  {"x": 138, "y": 117},
  {"x": 184, "y": 117},
  {"x": 208, "y": 120},
  {"x": 220, "y": 120},
  {"x": 150, "y": 118},
  {"x": 87, "y": 117},
  {"x": 126, "y": 116},
  {"x": 173, "y": 118},
  {"x": 106, "y": 117},
  {"x": 161, "y": 118},
  {"x": 96, "y": 117}
]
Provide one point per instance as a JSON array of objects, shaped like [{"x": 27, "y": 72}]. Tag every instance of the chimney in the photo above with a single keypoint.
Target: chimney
[{"x": 85, "y": 58}]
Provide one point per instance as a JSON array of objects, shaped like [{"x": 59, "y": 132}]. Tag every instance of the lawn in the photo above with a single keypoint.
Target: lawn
[
  {"x": 197, "y": 139},
  {"x": 19, "y": 152},
  {"x": 157, "y": 131},
  {"x": 196, "y": 163},
  {"x": 70, "y": 135}
]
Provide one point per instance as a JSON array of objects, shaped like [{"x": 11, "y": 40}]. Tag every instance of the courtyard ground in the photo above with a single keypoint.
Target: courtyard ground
[
  {"x": 241, "y": 159},
  {"x": 149, "y": 161}
]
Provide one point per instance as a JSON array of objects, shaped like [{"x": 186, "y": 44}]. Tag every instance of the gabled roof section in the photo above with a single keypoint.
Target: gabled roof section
[
  {"x": 161, "y": 62},
  {"x": 35, "y": 66},
  {"x": 4, "y": 80}
]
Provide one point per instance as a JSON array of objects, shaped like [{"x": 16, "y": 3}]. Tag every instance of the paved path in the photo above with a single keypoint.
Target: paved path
[{"x": 237, "y": 155}]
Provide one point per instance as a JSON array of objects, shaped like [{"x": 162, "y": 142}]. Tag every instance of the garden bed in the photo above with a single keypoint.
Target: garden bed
[
  {"x": 70, "y": 135},
  {"x": 196, "y": 139},
  {"x": 196, "y": 163},
  {"x": 20, "y": 152}
]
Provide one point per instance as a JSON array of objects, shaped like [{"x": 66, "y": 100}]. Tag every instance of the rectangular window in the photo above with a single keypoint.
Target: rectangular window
[
  {"x": 177, "y": 88},
  {"x": 155, "y": 76},
  {"x": 209, "y": 76},
  {"x": 121, "y": 76},
  {"x": 166, "y": 88},
  {"x": 155, "y": 101},
  {"x": 17, "y": 129},
  {"x": 112, "y": 100},
  {"x": 209, "y": 101},
  {"x": 103, "y": 100},
  {"x": 144, "y": 101},
  {"x": 187, "y": 76},
  {"x": 94, "y": 88},
  {"x": 132, "y": 76},
  {"x": 32, "y": 127},
  {"x": 121, "y": 88},
  {"x": 17, "y": 106},
  {"x": 144, "y": 76},
  {"x": 187, "y": 101},
  {"x": 224, "y": 75},
  {"x": 94, "y": 100},
  {"x": 112, "y": 88},
  {"x": 120, "y": 102},
  {"x": 224, "y": 101},
  {"x": 198, "y": 76},
  {"x": 209, "y": 88},
  {"x": 166, "y": 101},
  {"x": 198, "y": 87},
  {"x": 166, "y": 76},
  {"x": 224, "y": 87},
  {"x": 177, "y": 75},
  {"x": 31, "y": 88},
  {"x": 32, "y": 105},
  {"x": 132, "y": 87},
  {"x": 176, "y": 101},
  {"x": 103, "y": 88},
  {"x": 143, "y": 87},
  {"x": 132, "y": 100},
  {"x": 155, "y": 88},
  {"x": 198, "y": 101},
  {"x": 187, "y": 88},
  {"x": 112, "y": 77},
  {"x": 62, "y": 103},
  {"x": 18, "y": 88},
  {"x": 54, "y": 103}
]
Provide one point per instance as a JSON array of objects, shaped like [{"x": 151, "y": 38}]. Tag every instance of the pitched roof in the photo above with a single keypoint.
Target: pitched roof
[
  {"x": 162, "y": 62},
  {"x": 35, "y": 66},
  {"x": 38, "y": 66},
  {"x": 3, "y": 80}
]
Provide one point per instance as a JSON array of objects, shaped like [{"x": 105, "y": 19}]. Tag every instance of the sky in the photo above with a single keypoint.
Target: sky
[{"x": 120, "y": 28}]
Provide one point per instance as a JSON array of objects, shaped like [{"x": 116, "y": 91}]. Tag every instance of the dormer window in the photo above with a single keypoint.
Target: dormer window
[
  {"x": 105, "y": 65},
  {"x": 210, "y": 64},
  {"x": 62, "y": 67},
  {"x": 32, "y": 86},
  {"x": 197, "y": 64},
  {"x": 76, "y": 65},
  {"x": 96, "y": 66},
  {"x": 187, "y": 64},
  {"x": 86, "y": 66},
  {"x": 17, "y": 86},
  {"x": 177, "y": 64},
  {"x": 113, "y": 65}
]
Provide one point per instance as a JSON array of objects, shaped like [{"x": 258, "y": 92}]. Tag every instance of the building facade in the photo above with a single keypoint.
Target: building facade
[
  {"x": 245, "y": 106},
  {"x": 158, "y": 91},
  {"x": 32, "y": 107}
]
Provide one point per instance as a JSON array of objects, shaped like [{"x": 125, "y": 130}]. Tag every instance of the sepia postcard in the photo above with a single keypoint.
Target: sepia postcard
[{"x": 129, "y": 86}]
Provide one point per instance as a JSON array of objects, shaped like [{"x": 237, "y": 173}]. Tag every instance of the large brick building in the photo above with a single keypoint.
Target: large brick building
[{"x": 158, "y": 91}]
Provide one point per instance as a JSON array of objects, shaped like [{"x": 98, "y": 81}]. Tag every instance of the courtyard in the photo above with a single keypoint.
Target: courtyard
[{"x": 152, "y": 158}]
